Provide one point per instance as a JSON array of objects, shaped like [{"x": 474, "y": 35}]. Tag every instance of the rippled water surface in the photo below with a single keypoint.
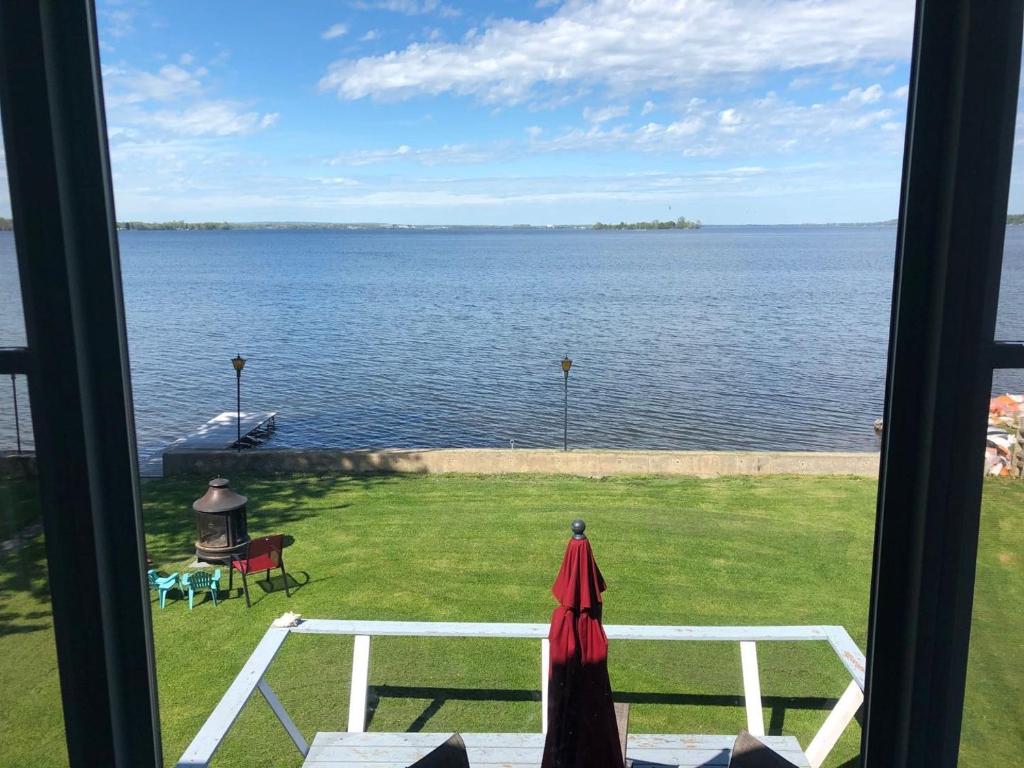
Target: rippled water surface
[{"x": 727, "y": 337}]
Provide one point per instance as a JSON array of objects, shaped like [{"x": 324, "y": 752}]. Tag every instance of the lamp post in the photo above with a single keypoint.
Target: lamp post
[
  {"x": 17, "y": 425},
  {"x": 239, "y": 363},
  {"x": 566, "y": 365}
]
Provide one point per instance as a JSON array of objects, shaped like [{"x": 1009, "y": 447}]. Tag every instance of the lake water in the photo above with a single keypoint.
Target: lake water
[{"x": 723, "y": 338}]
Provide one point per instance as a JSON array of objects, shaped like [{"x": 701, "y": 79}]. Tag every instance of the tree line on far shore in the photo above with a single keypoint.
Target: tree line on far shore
[
  {"x": 681, "y": 223},
  {"x": 173, "y": 225},
  {"x": 6, "y": 225}
]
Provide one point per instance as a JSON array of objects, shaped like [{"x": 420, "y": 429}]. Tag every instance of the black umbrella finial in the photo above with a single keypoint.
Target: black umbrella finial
[{"x": 578, "y": 526}]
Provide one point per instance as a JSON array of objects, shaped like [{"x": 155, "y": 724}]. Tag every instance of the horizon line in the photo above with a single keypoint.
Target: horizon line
[{"x": 520, "y": 225}]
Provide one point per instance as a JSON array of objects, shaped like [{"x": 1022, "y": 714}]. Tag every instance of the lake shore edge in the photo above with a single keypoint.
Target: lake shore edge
[{"x": 502, "y": 461}]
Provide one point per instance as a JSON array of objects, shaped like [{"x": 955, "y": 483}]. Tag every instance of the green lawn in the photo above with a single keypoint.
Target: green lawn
[
  {"x": 18, "y": 507},
  {"x": 779, "y": 550}
]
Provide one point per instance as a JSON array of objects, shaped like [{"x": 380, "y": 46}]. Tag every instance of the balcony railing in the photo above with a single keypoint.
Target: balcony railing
[{"x": 252, "y": 676}]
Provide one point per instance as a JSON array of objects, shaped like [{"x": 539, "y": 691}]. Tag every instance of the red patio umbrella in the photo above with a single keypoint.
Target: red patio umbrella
[{"x": 582, "y": 732}]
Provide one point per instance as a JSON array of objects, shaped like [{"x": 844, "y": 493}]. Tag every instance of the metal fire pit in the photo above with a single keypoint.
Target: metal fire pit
[{"x": 220, "y": 523}]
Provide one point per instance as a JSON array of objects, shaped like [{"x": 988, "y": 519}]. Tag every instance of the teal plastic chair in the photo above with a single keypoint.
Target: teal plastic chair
[
  {"x": 202, "y": 580},
  {"x": 162, "y": 584}
]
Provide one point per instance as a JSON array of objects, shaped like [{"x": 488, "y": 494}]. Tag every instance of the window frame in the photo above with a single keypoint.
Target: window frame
[
  {"x": 77, "y": 367},
  {"x": 965, "y": 75}
]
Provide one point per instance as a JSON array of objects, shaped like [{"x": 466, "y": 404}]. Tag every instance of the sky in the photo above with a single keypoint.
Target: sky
[{"x": 506, "y": 112}]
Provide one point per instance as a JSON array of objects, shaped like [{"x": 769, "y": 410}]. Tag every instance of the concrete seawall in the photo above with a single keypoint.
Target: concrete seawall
[{"x": 485, "y": 461}]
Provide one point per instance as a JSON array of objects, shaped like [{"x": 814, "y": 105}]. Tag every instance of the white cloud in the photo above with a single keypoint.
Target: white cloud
[
  {"x": 859, "y": 122},
  {"x": 173, "y": 101},
  {"x": 333, "y": 31},
  {"x": 132, "y": 86},
  {"x": 211, "y": 118},
  {"x": 868, "y": 95},
  {"x": 119, "y": 22},
  {"x": 371, "y": 34},
  {"x": 771, "y": 124},
  {"x": 650, "y": 137},
  {"x": 633, "y": 45},
  {"x": 408, "y": 7},
  {"x": 605, "y": 114},
  {"x": 447, "y": 154},
  {"x": 285, "y": 193},
  {"x": 649, "y": 106},
  {"x": 901, "y": 92},
  {"x": 777, "y": 127},
  {"x": 729, "y": 119}
]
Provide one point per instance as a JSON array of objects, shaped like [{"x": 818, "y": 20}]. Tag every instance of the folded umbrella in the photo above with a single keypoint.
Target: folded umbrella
[{"x": 582, "y": 732}]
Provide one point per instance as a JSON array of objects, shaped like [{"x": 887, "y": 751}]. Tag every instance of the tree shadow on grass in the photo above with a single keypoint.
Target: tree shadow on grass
[
  {"x": 16, "y": 623},
  {"x": 439, "y": 696},
  {"x": 275, "y": 502},
  {"x": 19, "y": 505},
  {"x": 268, "y": 586},
  {"x": 23, "y": 572}
]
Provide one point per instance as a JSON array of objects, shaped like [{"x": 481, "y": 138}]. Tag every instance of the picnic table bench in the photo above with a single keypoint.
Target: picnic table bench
[{"x": 519, "y": 750}]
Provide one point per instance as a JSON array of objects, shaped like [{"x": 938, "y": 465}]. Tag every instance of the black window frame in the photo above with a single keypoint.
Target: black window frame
[
  {"x": 958, "y": 151},
  {"x": 76, "y": 361},
  {"x": 962, "y": 105}
]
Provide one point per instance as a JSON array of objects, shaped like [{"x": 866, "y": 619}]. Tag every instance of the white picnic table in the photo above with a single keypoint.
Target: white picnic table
[{"x": 518, "y": 750}]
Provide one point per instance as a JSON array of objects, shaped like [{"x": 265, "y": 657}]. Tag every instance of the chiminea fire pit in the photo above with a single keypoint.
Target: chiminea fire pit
[{"x": 220, "y": 523}]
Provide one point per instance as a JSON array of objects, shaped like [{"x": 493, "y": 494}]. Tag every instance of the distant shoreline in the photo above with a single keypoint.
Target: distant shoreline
[
  {"x": 6, "y": 225},
  {"x": 313, "y": 226}
]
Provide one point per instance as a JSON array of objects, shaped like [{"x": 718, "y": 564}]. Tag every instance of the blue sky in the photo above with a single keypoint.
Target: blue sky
[{"x": 448, "y": 111}]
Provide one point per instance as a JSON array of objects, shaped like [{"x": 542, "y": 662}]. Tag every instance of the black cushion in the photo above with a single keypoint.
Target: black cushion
[
  {"x": 451, "y": 754},
  {"x": 749, "y": 752}
]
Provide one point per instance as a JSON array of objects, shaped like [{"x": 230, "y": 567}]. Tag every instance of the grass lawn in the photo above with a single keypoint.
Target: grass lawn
[{"x": 777, "y": 550}]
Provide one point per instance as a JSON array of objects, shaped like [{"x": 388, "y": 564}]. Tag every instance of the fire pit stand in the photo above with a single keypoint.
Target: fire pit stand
[{"x": 221, "y": 525}]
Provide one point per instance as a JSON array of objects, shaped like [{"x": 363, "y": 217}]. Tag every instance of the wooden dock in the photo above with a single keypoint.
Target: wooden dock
[{"x": 218, "y": 434}]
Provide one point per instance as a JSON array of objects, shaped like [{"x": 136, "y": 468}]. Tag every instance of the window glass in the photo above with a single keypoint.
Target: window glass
[
  {"x": 1009, "y": 317},
  {"x": 12, "y": 321},
  {"x": 32, "y": 721},
  {"x": 993, "y": 711},
  {"x": 993, "y": 718},
  {"x": 625, "y": 283}
]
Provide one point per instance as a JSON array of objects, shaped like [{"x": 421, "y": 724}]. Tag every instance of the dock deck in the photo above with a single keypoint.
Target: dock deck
[{"x": 218, "y": 434}]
